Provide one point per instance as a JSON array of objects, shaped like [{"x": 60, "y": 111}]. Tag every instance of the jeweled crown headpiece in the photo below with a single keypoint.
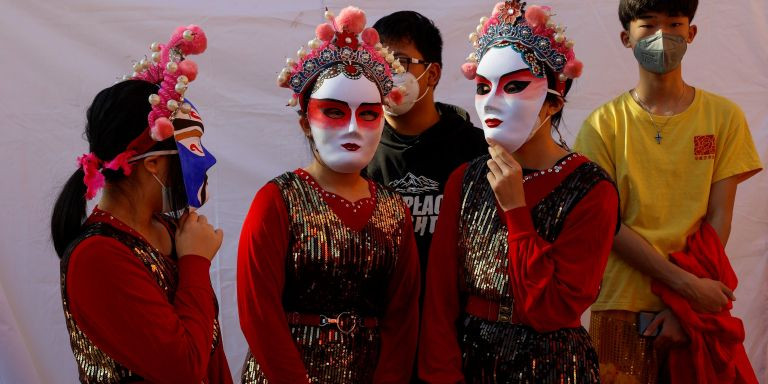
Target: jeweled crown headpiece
[
  {"x": 532, "y": 33},
  {"x": 336, "y": 44}
]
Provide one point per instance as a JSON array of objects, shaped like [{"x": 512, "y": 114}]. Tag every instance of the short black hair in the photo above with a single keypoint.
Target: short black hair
[
  {"x": 630, "y": 10},
  {"x": 410, "y": 26}
]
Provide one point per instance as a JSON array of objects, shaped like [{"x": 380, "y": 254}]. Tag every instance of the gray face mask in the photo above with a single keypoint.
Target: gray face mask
[
  {"x": 166, "y": 196},
  {"x": 660, "y": 52}
]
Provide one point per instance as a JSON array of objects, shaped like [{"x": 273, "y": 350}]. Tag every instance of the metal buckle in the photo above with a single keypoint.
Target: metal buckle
[
  {"x": 505, "y": 313},
  {"x": 342, "y": 321}
]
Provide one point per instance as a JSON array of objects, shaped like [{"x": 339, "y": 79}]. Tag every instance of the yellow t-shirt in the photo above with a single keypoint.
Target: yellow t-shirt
[{"x": 664, "y": 188}]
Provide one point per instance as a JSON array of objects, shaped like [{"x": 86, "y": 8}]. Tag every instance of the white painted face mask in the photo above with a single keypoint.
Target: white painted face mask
[
  {"x": 346, "y": 120},
  {"x": 509, "y": 98},
  {"x": 412, "y": 94}
]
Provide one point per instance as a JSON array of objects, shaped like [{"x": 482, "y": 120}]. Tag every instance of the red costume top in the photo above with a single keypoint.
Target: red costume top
[
  {"x": 306, "y": 252},
  {"x": 135, "y": 314},
  {"x": 716, "y": 352},
  {"x": 551, "y": 272}
]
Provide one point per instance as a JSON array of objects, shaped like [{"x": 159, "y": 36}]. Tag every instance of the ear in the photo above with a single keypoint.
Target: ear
[
  {"x": 692, "y": 31},
  {"x": 554, "y": 106},
  {"x": 304, "y": 124},
  {"x": 152, "y": 164},
  {"x": 435, "y": 72},
  {"x": 624, "y": 36}
]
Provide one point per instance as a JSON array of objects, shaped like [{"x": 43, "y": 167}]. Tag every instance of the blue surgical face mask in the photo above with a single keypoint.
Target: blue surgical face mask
[
  {"x": 661, "y": 52},
  {"x": 195, "y": 159}
]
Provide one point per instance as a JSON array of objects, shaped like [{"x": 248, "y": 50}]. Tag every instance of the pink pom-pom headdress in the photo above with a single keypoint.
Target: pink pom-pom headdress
[
  {"x": 172, "y": 72},
  {"x": 531, "y": 32},
  {"x": 346, "y": 43}
]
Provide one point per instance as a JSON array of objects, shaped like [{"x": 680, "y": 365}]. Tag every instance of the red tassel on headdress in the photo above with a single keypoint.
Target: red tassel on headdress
[
  {"x": 93, "y": 179},
  {"x": 121, "y": 162}
]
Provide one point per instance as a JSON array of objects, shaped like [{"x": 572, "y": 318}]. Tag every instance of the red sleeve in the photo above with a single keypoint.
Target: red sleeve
[
  {"x": 439, "y": 351},
  {"x": 118, "y": 304},
  {"x": 260, "y": 281},
  {"x": 553, "y": 284},
  {"x": 218, "y": 367},
  {"x": 400, "y": 325}
]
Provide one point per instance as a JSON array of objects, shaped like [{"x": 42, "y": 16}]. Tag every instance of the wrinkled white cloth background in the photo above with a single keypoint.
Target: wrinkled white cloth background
[{"x": 56, "y": 55}]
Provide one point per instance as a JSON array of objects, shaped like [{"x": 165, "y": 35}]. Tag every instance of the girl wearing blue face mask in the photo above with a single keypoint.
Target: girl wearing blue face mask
[
  {"x": 524, "y": 232},
  {"x": 136, "y": 293}
]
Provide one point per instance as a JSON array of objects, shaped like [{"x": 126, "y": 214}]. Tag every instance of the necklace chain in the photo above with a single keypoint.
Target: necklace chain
[{"x": 647, "y": 110}]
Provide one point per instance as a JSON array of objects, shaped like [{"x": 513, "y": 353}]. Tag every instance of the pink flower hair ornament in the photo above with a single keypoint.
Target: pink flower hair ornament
[
  {"x": 532, "y": 33},
  {"x": 343, "y": 41},
  {"x": 172, "y": 72}
]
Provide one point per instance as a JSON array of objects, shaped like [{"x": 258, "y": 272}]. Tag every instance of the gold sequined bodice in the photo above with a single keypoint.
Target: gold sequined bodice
[
  {"x": 331, "y": 269},
  {"x": 503, "y": 351},
  {"x": 482, "y": 239}
]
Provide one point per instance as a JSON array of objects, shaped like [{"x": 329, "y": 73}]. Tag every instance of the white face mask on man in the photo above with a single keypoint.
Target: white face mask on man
[
  {"x": 412, "y": 94},
  {"x": 509, "y": 98},
  {"x": 346, "y": 120}
]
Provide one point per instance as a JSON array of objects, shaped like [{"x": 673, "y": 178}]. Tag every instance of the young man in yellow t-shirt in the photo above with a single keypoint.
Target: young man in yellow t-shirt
[{"x": 677, "y": 154}]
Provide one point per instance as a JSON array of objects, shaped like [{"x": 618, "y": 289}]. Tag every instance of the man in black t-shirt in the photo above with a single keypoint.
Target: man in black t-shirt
[{"x": 423, "y": 141}]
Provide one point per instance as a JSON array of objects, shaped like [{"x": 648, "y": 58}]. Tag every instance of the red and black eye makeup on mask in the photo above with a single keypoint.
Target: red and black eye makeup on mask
[
  {"x": 511, "y": 83},
  {"x": 336, "y": 114}
]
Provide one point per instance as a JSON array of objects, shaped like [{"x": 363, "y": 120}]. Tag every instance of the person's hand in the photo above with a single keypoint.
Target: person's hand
[
  {"x": 506, "y": 178},
  {"x": 672, "y": 333},
  {"x": 194, "y": 236},
  {"x": 707, "y": 295}
]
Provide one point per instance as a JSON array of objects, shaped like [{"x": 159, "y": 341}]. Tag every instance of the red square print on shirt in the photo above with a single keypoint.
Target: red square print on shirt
[{"x": 704, "y": 147}]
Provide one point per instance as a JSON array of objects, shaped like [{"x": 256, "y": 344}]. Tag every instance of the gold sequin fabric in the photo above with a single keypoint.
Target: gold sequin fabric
[
  {"x": 496, "y": 353},
  {"x": 625, "y": 356},
  {"x": 331, "y": 269},
  {"x": 483, "y": 243},
  {"x": 95, "y": 366},
  {"x": 329, "y": 356},
  {"x": 500, "y": 352}
]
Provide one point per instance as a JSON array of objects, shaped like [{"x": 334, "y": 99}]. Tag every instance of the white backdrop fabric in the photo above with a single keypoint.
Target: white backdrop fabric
[{"x": 56, "y": 55}]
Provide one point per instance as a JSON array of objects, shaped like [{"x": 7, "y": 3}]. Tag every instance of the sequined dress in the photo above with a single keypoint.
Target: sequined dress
[
  {"x": 308, "y": 256},
  {"x": 136, "y": 315},
  {"x": 505, "y": 290}
]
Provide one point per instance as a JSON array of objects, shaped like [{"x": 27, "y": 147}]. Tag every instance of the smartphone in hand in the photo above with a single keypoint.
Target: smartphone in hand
[{"x": 644, "y": 319}]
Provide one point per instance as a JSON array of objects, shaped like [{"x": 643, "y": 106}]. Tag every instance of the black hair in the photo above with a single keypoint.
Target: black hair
[
  {"x": 117, "y": 115},
  {"x": 410, "y": 26},
  {"x": 556, "y": 119},
  {"x": 630, "y": 10}
]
